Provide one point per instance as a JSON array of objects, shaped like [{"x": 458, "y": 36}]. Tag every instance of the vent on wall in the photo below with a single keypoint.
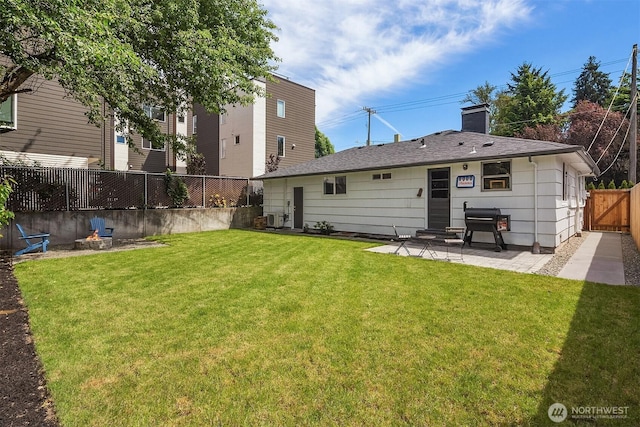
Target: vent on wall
[{"x": 275, "y": 220}]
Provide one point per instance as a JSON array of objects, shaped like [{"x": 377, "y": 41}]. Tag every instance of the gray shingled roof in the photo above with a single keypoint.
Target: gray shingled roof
[{"x": 438, "y": 148}]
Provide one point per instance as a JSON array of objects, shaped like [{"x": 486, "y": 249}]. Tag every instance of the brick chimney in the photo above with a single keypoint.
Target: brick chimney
[{"x": 476, "y": 118}]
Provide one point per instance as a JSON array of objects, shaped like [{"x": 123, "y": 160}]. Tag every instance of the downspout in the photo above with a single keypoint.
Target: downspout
[
  {"x": 580, "y": 187},
  {"x": 536, "y": 244}
]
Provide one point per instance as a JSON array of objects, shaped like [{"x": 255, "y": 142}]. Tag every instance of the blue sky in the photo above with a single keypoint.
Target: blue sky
[{"x": 414, "y": 60}]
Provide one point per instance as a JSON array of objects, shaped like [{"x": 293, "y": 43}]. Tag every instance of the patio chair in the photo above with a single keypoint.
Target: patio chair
[
  {"x": 403, "y": 239},
  {"x": 98, "y": 223},
  {"x": 32, "y": 247}
]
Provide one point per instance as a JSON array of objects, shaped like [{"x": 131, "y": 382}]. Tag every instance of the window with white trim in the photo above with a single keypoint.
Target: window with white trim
[
  {"x": 194, "y": 119},
  {"x": 281, "y": 142},
  {"x": 223, "y": 148},
  {"x": 496, "y": 175},
  {"x": 280, "y": 108},
  {"x": 9, "y": 113},
  {"x": 378, "y": 176},
  {"x": 335, "y": 185},
  {"x": 147, "y": 145},
  {"x": 156, "y": 113}
]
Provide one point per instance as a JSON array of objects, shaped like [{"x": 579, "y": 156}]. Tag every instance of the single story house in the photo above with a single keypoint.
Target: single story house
[{"x": 425, "y": 183}]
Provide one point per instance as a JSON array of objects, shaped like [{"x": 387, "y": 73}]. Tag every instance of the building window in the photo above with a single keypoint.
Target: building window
[
  {"x": 378, "y": 176},
  {"x": 280, "y": 108},
  {"x": 223, "y": 118},
  {"x": 335, "y": 185},
  {"x": 223, "y": 148},
  {"x": 195, "y": 124},
  {"x": 496, "y": 175},
  {"x": 237, "y": 139},
  {"x": 147, "y": 145},
  {"x": 181, "y": 118},
  {"x": 156, "y": 113},
  {"x": 9, "y": 113},
  {"x": 281, "y": 141}
]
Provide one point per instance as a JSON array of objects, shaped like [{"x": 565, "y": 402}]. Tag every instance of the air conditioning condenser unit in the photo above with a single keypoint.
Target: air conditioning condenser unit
[{"x": 275, "y": 220}]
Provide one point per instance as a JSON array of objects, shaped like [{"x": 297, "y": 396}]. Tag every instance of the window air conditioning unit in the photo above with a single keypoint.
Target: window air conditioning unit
[{"x": 275, "y": 220}]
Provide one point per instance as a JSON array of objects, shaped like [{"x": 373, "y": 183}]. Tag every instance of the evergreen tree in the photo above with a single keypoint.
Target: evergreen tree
[
  {"x": 531, "y": 99},
  {"x": 622, "y": 100},
  {"x": 592, "y": 84}
]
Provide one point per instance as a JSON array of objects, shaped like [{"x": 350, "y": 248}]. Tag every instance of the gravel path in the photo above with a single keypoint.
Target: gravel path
[{"x": 630, "y": 258}]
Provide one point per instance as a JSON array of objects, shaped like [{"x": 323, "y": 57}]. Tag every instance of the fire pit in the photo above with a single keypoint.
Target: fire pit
[{"x": 94, "y": 242}]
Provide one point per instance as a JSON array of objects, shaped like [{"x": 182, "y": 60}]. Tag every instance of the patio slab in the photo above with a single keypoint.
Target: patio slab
[{"x": 513, "y": 260}]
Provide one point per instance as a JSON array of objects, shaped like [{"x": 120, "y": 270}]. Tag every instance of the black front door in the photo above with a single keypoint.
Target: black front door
[
  {"x": 439, "y": 211},
  {"x": 298, "y": 211}
]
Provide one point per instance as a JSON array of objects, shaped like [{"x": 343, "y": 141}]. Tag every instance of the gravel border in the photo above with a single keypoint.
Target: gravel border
[{"x": 631, "y": 260}]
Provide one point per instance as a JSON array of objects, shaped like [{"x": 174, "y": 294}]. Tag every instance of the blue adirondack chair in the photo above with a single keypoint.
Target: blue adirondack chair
[
  {"x": 31, "y": 247},
  {"x": 98, "y": 223}
]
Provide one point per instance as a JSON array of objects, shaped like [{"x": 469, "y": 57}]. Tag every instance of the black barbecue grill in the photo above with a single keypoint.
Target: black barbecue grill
[{"x": 487, "y": 220}]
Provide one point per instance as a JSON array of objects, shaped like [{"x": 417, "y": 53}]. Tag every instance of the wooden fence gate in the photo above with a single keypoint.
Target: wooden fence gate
[{"x": 608, "y": 210}]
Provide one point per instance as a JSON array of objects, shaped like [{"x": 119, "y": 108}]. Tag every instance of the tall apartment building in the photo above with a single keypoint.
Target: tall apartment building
[
  {"x": 48, "y": 128},
  {"x": 241, "y": 141}
]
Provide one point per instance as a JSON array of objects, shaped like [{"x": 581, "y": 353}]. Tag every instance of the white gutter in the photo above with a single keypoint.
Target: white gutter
[{"x": 536, "y": 245}]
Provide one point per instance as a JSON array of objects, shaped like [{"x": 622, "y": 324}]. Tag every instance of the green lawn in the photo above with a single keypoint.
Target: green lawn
[{"x": 247, "y": 328}]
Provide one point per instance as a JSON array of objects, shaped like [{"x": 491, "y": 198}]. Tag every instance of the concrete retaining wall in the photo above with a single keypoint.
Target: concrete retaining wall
[{"x": 66, "y": 227}]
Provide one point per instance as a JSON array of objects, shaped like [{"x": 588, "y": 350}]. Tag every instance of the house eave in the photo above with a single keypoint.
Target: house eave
[{"x": 471, "y": 158}]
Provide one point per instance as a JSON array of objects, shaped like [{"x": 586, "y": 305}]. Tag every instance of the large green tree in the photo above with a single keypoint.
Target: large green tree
[
  {"x": 592, "y": 84},
  {"x": 324, "y": 146},
  {"x": 529, "y": 100},
  {"x": 167, "y": 53},
  {"x": 484, "y": 94},
  {"x": 622, "y": 96}
]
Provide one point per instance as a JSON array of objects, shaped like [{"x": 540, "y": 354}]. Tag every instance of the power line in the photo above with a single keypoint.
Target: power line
[{"x": 433, "y": 102}]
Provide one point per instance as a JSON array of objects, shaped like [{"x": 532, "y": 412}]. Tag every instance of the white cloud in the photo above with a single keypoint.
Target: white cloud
[{"x": 349, "y": 49}]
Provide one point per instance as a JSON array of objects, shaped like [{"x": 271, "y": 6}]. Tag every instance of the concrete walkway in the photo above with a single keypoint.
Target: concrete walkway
[{"x": 598, "y": 259}]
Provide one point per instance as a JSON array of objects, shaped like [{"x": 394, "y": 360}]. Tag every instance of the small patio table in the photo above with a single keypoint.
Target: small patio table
[{"x": 426, "y": 240}]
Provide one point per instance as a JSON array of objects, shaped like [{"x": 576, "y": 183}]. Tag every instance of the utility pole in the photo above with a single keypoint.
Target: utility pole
[
  {"x": 633, "y": 133},
  {"x": 370, "y": 111}
]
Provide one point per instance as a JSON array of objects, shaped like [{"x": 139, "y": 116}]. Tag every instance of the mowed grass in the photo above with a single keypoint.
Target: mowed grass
[{"x": 247, "y": 328}]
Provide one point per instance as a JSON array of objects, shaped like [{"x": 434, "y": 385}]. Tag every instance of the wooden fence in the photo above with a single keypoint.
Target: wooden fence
[
  {"x": 608, "y": 210},
  {"x": 635, "y": 214}
]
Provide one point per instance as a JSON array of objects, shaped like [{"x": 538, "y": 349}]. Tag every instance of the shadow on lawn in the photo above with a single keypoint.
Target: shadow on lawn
[{"x": 599, "y": 365}]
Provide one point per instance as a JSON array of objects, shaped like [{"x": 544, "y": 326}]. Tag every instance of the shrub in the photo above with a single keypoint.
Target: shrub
[
  {"x": 5, "y": 190},
  {"x": 176, "y": 189},
  {"x": 601, "y": 186},
  {"x": 624, "y": 184},
  {"x": 612, "y": 185},
  {"x": 591, "y": 186},
  {"x": 324, "y": 227}
]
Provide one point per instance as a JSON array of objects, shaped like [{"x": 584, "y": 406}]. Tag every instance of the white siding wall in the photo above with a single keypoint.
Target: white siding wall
[
  {"x": 373, "y": 206},
  {"x": 238, "y": 160}
]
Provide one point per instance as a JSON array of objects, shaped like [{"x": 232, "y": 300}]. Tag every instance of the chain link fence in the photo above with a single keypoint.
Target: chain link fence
[{"x": 66, "y": 189}]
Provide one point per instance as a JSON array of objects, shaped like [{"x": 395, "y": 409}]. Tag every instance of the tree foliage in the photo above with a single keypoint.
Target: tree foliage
[
  {"x": 592, "y": 84},
  {"x": 530, "y": 99},
  {"x": 484, "y": 94},
  {"x": 622, "y": 100},
  {"x": 324, "y": 146},
  {"x": 272, "y": 163},
  {"x": 167, "y": 53},
  {"x": 585, "y": 121},
  {"x": 5, "y": 190}
]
